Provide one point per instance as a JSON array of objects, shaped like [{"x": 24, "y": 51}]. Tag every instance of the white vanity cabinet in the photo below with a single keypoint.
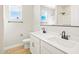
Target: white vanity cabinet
[
  {"x": 39, "y": 46},
  {"x": 46, "y": 48},
  {"x": 35, "y": 45}
]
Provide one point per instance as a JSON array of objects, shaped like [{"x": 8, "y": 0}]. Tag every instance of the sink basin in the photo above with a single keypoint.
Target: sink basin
[{"x": 63, "y": 42}]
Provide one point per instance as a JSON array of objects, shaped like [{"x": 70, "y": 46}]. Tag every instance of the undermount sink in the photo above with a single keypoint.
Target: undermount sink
[{"x": 63, "y": 42}]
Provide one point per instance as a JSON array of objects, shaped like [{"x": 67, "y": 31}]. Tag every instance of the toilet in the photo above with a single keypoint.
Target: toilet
[{"x": 26, "y": 43}]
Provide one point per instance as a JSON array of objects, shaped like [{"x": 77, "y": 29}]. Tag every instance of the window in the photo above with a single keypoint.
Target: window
[{"x": 15, "y": 13}]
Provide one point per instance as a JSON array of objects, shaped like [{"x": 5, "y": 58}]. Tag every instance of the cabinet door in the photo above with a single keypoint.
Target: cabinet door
[
  {"x": 46, "y": 48},
  {"x": 34, "y": 45}
]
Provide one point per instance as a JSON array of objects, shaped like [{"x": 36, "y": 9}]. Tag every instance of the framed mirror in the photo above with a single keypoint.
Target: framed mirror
[{"x": 60, "y": 15}]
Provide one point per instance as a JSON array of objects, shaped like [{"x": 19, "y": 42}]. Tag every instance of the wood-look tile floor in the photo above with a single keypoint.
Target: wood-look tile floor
[{"x": 18, "y": 50}]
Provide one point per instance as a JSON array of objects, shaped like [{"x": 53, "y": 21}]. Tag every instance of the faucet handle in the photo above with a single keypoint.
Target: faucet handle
[{"x": 68, "y": 35}]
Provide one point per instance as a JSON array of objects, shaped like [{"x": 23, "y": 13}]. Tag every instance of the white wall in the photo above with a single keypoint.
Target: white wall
[
  {"x": 1, "y": 28},
  {"x": 13, "y": 31},
  {"x": 36, "y": 18}
]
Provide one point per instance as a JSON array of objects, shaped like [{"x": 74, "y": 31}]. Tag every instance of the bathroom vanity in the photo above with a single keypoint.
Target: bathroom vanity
[
  {"x": 40, "y": 46},
  {"x": 46, "y": 48},
  {"x": 51, "y": 43}
]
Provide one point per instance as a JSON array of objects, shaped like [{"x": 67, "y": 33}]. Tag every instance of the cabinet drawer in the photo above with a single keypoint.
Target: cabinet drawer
[{"x": 51, "y": 49}]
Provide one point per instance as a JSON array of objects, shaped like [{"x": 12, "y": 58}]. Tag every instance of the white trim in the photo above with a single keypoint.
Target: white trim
[{"x": 16, "y": 45}]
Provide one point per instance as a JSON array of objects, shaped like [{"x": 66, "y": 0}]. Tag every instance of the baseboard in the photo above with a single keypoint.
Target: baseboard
[{"x": 16, "y": 45}]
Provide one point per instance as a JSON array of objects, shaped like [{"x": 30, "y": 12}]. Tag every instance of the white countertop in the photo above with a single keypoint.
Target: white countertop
[{"x": 68, "y": 46}]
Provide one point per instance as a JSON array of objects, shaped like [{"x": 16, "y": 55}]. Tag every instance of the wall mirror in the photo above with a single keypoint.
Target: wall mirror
[{"x": 59, "y": 15}]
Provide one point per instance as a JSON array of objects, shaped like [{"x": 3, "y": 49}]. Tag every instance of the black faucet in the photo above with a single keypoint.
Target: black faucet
[{"x": 64, "y": 36}]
